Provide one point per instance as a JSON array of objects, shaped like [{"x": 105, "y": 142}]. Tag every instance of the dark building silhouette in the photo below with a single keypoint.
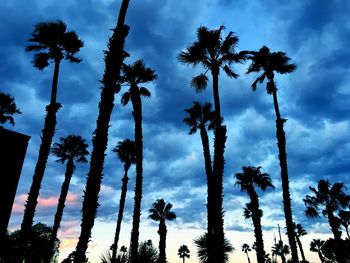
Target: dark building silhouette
[{"x": 13, "y": 147}]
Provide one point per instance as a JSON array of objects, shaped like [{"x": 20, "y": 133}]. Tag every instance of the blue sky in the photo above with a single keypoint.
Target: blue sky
[{"x": 315, "y": 100}]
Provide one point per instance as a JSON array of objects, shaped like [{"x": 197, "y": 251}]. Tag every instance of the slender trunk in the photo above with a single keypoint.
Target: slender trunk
[
  {"x": 300, "y": 248},
  {"x": 137, "y": 113},
  {"x": 60, "y": 207},
  {"x": 339, "y": 252},
  {"x": 183, "y": 259},
  {"x": 281, "y": 141},
  {"x": 162, "y": 241},
  {"x": 44, "y": 151},
  {"x": 321, "y": 256},
  {"x": 283, "y": 258},
  {"x": 347, "y": 232},
  {"x": 248, "y": 257},
  {"x": 121, "y": 211},
  {"x": 114, "y": 57},
  {"x": 281, "y": 242}
]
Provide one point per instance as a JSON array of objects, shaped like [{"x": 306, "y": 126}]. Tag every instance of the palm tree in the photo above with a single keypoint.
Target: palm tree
[
  {"x": 8, "y": 108},
  {"x": 161, "y": 212},
  {"x": 246, "y": 249},
  {"x": 52, "y": 43},
  {"x": 269, "y": 63},
  {"x": 345, "y": 220},
  {"x": 316, "y": 246},
  {"x": 201, "y": 117},
  {"x": 126, "y": 152},
  {"x": 247, "y": 181},
  {"x": 214, "y": 53},
  {"x": 201, "y": 243},
  {"x": 114, "y": 58},
  {"x": 133, "y": 75},
  {"x": 299, "y": 232},
  {"x": 71, "y": 149},
  {"x": 279, "y": 249},
  {"x": 147, "y": 253},
  {"x": 183, "y": 252}
]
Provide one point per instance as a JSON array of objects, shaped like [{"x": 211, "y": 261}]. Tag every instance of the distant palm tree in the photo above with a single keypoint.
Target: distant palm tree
[
  {"x": 345, "y": 220},
  {"x": 147, "y": 253},
  {"x": 269, "y": 63},
  {"x": 246, "y": 249},
  {"x": 71, "y": 149},
  {"x": 8, "y": 108},
  {"x": 247, "y": 181},
  {"x": 52, "y": 43},
  {"x": 214, "y": 53},
  {"x": 279, "y": 249},
  {"x": 134, "y": 75},
  {"x": 126, "y": 152},
  {"x": 299, "y": 232},
  {"x": 183, "y": 252},
  {"x": 114, "y": 58},
  {"x": 201, "y": 243},
  {"x": 316, "y": 246},
  {"x": 161, "y": 212}
]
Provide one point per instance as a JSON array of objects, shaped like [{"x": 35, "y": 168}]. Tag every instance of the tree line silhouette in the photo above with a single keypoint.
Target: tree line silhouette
[{"x": 216, "y": 53}]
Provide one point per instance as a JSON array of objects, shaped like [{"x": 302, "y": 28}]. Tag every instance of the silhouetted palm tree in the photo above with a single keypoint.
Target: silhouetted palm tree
[
  {"x": 71, "y": 149},
  {"x": 247, "y": 181},
  {"x": 114, "y": 58},
  {"x": 161, "y": 212},
  {"x": 133, "y": 75},
  {"x": 279, "y": 249},
  {"x": 126, "y": 152},
  {"x": 214, "y": 53},
  {"x": 246, "y": 249},
  {"x": 183, "y": 252},
  {"x": 8, "y": 108},
  {"x": 269, "y": 63},
  {"x": 52, "y": 43},
  {"x": 147, "y": 253},
  {"x": 316, "y": 246},
  {"x": 299, "y": 232},
  {"x": 345, "y": 220},
  {"x": 201, "y": 243},
  {"x": 201, "y": 117}
]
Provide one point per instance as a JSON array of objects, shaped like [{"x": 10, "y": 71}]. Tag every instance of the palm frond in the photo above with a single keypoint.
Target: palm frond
[
  {"x": 199, "y": 82},
  {"x": 125, "y": 98}
]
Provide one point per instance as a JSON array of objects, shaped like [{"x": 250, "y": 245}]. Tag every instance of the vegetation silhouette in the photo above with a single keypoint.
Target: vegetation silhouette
[
  {"x": 281, "y": 250},
  {"x": 147, "y": 253},
  {"x": 269, "y": 63},
  {"x": 134, "y": 75},
  {"x": 114, "y": 58},
  {"x": 8, "y": 108},
  {"x": 344, "y": 217},
  {"x": 183, "y": 252},
  {"x": 126, "y": 151},
  {"x": 246, "y": 249},
  {"x": 299, "y": 232},
  {"x": 316, "y": 245}
]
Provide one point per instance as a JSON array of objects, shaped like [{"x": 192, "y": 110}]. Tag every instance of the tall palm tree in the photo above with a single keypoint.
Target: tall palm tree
[
  {"x": 183, "y": 252},
  {"x": 269, "y": 63},
  {"x": 161, "y": 212},
  {"x": 246, "y": 249},
  {"x": 8, "y": 108},
  {"x": 126, "y": 152},
  {"x": 52, "y": 44},
  {"x": 279, "y": 249},
  {"x": 114, "y": 58},
  {"x": 133, "y": 75},
  {"x": 299, "y": 232},
  {"x": 201, "y": 117},
  {"x": 316, "y": 246},
  {"x": 250, "y": 178},
  {"x": 214, "y": 52},
  {"x": 345, "y": 220},
  {"x": 71, "y": 149}
]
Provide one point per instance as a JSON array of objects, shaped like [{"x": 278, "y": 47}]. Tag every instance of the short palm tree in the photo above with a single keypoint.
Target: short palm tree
[
  {"x": 316, "y": 246},
  {"x": 147, "y": 253},
  {"x": 161, "y": 212},
  {"x": 126, "y": 152},
  {"x": 299, "y": 232},
  {"x": 71, "y": 149},
  {"x": 134, "y": 75},
  {"x": 345, "y": 220},
  {"x": 114, "y": 58},
  {"x": 183, "y": 252},
  {"x": 250, "y": 178},
  {"x": 279, "y": 249},
  {"x": 246, "y": 249},
  {"x": 269, "y": 63},
  {"x": 52, "y": 43},
  {"x": 8, "y": 108},
  {"x": 214, "y": 53}
]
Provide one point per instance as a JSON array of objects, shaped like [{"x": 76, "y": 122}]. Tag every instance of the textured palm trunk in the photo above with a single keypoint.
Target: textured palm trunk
[
  {"x": 248, "y": 257},
  {"x": 283, "y": 258},
  {"x": 162, "y": 241},
  {"x": 281, "y": 142},
  {"x": 137, "y": 113},
  {"x": 114, "y": 57},
  {"x": 60, "y": 207},
  {"x": 121, "y": 211},
  {"x": 300, "y": 248},
  {"x": 44, "y": 151}
]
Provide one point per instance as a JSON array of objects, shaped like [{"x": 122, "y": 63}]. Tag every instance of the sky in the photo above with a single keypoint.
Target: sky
[{"x": 315, "y": 99}]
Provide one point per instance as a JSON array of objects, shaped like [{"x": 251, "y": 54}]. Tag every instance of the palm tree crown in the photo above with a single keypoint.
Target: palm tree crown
[
  {"x": 252, "y": 176},
  {"x": 126, "y": 151},
  {"x": 161, "y": 211},
  {"x": 72, "y": 147},
  {"x": 183, "y": 252},
  {"x": 7, "y": 108},
  {"x": 199, "y": 116}
]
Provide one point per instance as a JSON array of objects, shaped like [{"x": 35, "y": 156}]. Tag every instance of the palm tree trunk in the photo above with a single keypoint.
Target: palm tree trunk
[
  {"x": 248, "y": 257},
  {"x": 162, "y": 241},
  {"x": 121, "y": 211},
  {"x": 44, "y": 151},
  {"x": 114, "y": 57},
  {"x": 301, "y": 248},
  {"x": 137, "y": 113},
  {"x": 281, "y": 141},
  {"x": 321, "y": 256},
  {"x": 61, "y": 203}
]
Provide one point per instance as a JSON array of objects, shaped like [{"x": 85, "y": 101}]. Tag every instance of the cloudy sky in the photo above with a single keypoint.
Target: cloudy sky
[{"x": 315, "y": 100}]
